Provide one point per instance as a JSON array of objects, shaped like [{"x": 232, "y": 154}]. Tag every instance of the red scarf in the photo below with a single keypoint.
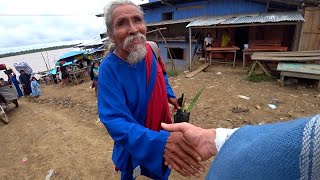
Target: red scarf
[{"x": 158, "y": 108}]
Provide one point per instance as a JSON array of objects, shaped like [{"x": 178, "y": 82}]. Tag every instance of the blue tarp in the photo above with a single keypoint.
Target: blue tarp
[{"x": 70, "y": 54}]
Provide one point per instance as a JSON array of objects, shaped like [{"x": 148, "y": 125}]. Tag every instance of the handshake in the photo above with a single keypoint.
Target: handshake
[{"x": 187, "y": 146}]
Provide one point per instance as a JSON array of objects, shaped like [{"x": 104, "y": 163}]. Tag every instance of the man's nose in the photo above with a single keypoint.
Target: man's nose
[{"x": 133, "y": 29}]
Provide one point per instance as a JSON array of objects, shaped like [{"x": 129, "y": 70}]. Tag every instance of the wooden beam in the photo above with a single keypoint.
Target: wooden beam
[
  {"x": 201, "y": 68},
  {"x": 274, "y": 58},
  {"x": 156, "y": 30}
]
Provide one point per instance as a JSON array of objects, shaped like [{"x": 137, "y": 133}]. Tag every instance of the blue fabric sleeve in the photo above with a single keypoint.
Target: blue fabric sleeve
[
  {"x": 270, "y": 151},
  {"x": 145, "y": 146},
  {"x": 170, "y": 92}
]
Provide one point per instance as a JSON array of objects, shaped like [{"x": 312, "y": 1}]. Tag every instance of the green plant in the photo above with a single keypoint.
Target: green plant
[
  {"x": 172, "y": 73},
  {"x": 259, "y": 78},
  {"x": 193, "y": 101}
]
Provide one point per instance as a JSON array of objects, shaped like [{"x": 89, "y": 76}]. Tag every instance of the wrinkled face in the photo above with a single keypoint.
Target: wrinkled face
[{"x": 128, "y": 31}]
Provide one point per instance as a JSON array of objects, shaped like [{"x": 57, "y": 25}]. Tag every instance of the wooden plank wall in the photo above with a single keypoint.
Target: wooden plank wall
[{"x": 310, "y": 35}]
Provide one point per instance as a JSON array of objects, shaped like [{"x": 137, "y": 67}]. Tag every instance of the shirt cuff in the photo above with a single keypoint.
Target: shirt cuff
[{"x": 222, "y": 135}]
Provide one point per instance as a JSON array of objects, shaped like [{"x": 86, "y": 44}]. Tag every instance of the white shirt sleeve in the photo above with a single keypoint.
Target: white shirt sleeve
[{"x": 222, "y": 135}]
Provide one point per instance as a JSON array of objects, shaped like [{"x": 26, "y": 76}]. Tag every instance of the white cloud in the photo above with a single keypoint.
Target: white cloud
[{"x": 31, "y": 22}]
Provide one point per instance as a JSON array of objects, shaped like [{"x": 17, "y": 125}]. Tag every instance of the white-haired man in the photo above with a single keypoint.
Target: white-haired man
[{"x": 133, "y": 98}]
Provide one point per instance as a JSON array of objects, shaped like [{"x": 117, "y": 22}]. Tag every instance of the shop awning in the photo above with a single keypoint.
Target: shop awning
[
  {"x": 70, "y": 54},
  {"x": 261, "y": 18}
]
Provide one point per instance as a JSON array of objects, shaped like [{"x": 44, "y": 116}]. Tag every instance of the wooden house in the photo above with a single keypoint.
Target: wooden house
[{"x": 178, "y": 25}]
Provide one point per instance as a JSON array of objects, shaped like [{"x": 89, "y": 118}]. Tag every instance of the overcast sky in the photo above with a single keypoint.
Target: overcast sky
[{"x": 28, "y": 22}]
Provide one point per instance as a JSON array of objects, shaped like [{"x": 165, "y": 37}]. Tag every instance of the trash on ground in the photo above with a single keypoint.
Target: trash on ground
[
  {"x": 244, "y": 97},
  {"x": 277, "y": 101},
  {"x": 240, "y": 109},
  {"x": 272, "y": 106},
  {"x": 219, "y": 73},
  {"x": 50, "y": 173},
  {"x": 24, "y": 159},
  {"x": 293, "y": 96},
  {"x": 258, "y": 107}
]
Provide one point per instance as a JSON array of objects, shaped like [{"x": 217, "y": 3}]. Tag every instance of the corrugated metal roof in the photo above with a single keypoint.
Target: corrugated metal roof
[
  {"x": 172, "y": 22},
  {"x": 247, "y": 19}
]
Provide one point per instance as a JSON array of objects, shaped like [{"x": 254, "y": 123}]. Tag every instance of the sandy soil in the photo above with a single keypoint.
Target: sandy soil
[{"x": 60, "y": 130}]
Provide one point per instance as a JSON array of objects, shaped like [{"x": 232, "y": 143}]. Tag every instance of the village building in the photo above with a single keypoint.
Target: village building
[{"x": 180, "y": 26}]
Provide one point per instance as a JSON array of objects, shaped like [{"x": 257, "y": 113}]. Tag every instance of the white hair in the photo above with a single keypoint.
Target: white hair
[{"x": 109, "y": 8}]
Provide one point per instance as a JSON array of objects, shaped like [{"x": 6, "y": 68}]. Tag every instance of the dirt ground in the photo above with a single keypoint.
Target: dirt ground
[{"x": 60, "y": 130}]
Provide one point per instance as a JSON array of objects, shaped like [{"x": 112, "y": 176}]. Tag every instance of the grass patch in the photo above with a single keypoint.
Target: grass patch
[
  {"x": 260, "y": 78},
  {"x": 172, "y": 73}
]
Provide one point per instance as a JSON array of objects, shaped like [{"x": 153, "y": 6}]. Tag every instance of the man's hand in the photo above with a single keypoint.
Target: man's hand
[
  {"x": 181, "y": 157},
  {"x": 175, "y": 103},
  {"x": 202, "y": 140}
]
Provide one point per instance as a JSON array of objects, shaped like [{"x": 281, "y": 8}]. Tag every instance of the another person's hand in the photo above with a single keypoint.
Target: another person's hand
[
  {"x": 175, "y": 103},
  {"x": 181, "y": 157},
  {"x": 202, "y": 140}
]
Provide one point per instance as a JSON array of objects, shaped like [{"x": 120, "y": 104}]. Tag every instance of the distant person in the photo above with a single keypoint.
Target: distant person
[
  {"x": 58, "y": 75},
  {"x": 64, "y": 74},
  {"x": 80, "y": 65},
  {"x": 15, "y": 82},
  {"x": 3, "y": 82},
  {"x": 35, "y": 87},
  {"x": 25, "y": 82},
  {"x": 208, "y": 41},
  {"x": 95, "y": 72}
]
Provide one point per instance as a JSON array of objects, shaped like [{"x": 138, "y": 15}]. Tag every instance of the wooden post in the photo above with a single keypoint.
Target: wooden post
[
  {"x": 190, "y": 50},
  {"x": 281, "y": 79}
]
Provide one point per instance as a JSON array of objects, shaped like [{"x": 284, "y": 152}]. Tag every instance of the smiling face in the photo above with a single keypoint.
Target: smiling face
[{"x": 128, "y": 33}]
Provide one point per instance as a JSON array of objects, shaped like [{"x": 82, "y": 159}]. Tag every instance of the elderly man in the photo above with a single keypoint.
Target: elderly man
[{"x": 133, "y": 96}]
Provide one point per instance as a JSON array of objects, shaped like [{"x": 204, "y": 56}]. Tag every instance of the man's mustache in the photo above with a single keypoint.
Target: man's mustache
[{"x": 131, "y": 38}]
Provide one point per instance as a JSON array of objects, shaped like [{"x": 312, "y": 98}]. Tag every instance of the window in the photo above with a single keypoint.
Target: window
[
  {"x": 177, "y": 53},
  {"x": 167, "y": 16}
]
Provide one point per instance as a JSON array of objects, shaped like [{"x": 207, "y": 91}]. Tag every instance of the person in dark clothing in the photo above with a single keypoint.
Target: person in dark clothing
[
  {"x": 25, "y": 81},
  {"x": 92, "y": 75},
  {"x": 65, "y": 74},
  {"x": 80, "y": 64}
]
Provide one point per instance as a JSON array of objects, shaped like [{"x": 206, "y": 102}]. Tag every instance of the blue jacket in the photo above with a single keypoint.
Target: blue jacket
[{"x": 285, "y": 151}]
